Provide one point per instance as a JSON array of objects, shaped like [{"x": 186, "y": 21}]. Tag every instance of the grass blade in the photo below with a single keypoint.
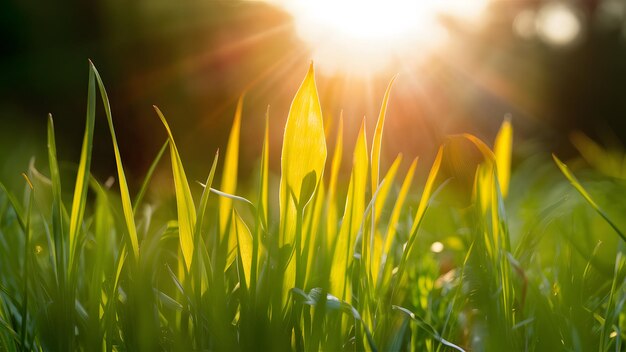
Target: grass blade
[
  {"x": 229, "y": 182},
  {"x": 353, "y": 214},
  {"x": 303, "y": 155},
  {"x": 389, "y": 178},
  {"x": 244, "y": 246},
  {"x": 331, "y": 224},
  {"x": 263, "y": 202},
  {"x": 502, "y": 150},
  {"x": 428, "y": 328},
  {"x": 204, "y": 199},
  {"x": 184, "y": 201},
  {"x": 583, "y": 192},
  {"x": 148, "y": 177},
  {"x": 127, "y": 207},
  {"x": 57, "y": 206},
  {"x": 378, "y": 137},
  {"x": 82, "y": 178},
  {"x": 394, "y": 219}
]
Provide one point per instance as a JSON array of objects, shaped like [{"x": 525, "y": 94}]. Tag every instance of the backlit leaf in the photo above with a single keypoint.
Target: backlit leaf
[
  {"x": 124, "y": 193},
  {"x": 80, "y": 189},
  {"x": 244, "y": 241},
  {"x": 502, "y": 149},
  {"x": 352, "y": 217},
  {"x": 229, "y": 181},
  {"x": 184, "y": 201},
  {"x": 303, "y": 154}
]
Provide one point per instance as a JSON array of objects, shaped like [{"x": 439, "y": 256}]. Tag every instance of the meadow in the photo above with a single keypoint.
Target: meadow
[{"x": 481, "y": 257}]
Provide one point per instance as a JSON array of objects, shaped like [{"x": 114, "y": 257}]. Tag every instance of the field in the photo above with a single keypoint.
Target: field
[{"x": 474, "y": 256}]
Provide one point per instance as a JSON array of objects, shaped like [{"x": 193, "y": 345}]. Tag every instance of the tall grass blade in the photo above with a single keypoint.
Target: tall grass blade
[
  {"x": 57, "y": 205},
  {"x": 184, "y": 201},
  {"x": 263, "y": 202},
  {"x": 80, "y": 189},
  {"x": 352, "y": 217},
  {"x": 148, "y": 177},
  {"x": 503, "y": 147},
  {"x": 229, "y": 182},
  {"x": 394, "y": 219},
  {"x": 303, "y": 155},
  {"x": 331, "y": 223},
  {"x": 127, "y": 207},
  {"x": 583, "y": 192},
  {"x": 204, "y": 199},
  {"x": 378, "y": 137},
  {"x": 383, "y": 193},
  {"x": 26, "y": 267},
  {"x": 244, "y": 246},
  {"x": 428, "y": 189}
]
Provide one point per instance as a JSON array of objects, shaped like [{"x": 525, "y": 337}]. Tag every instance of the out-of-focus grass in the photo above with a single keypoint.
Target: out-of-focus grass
[{"x": 527, "y": 264}]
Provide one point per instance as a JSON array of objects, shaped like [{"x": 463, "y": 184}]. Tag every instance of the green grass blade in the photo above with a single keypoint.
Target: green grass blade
[
  {"x": 583, "y": 192},
  {"x": 57, "y": 206},
  {"x": 127, "y": 207},
  {"x": 148, "y": 177},
  {"x": 204, "y": 199},
  {"x": 428, "y": 328},
  {"x": 26, "y": 267}
]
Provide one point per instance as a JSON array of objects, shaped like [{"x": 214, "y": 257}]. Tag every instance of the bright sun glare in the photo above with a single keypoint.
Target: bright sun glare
[{"x": 357, "y": 36}]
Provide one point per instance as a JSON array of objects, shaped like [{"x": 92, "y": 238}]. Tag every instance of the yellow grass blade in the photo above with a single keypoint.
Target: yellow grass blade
[
  {"x": 389, "y": 178},
  {"x": 419, "y": 215},
  {"x": 229, "y": 181},
  {"x": 378, "y": 137},
  {"x": 303, "y": 155},
  {"x": 204, "y": 199},
  {"x": 244, "y": 245},
  {"x": 263, "y": 204},
  {"x": 484, "y": 173},
  {"x": 331, "y": 224},
  {"x": 607, "y": 161},
  {"x": 353, "y": 215},
  {"x": 482, "y": 147},
  {"x": 428, "y": 189},
  {"x": 127, "y": 206},
  {"x": 82, "y": 177},
  {"x": 502, "y": 149},
  {"x": 394, "y": 219},
  {"x": 184, "y": 201},
  {"x": 312, "y": 226}
]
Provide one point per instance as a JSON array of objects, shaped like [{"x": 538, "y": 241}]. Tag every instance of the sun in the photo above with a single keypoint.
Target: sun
[{"x": 367, "y": 35}]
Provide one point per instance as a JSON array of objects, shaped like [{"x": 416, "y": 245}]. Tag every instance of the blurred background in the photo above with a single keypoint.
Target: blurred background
[{"x": 553, "y": 67}]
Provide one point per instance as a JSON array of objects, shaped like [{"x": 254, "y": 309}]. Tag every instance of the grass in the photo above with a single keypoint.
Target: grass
[{"x": 507, "y": 261}]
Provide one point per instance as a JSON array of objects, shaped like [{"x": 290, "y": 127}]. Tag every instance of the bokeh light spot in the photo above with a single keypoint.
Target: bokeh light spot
[{"x": 558, "y": 24}]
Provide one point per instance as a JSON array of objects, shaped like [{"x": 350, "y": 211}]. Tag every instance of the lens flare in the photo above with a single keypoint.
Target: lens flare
[{"x": 367, "y": 35}]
